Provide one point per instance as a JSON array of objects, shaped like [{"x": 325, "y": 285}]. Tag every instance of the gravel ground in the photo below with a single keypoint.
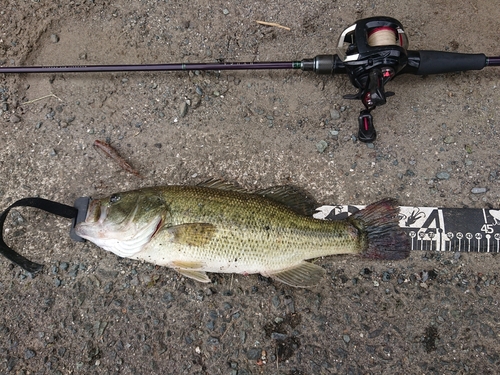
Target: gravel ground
[{"x": 91, "y": 312}]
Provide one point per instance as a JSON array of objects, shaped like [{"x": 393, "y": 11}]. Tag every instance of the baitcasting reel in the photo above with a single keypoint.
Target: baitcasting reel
[{"x": 371, "y": 52}]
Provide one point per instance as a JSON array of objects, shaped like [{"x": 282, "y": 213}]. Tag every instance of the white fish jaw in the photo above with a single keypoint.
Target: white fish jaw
[{"x": 124, "y": 241}]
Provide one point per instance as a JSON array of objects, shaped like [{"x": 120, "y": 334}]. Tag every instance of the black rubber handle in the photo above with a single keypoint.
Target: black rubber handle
[{"x": 437, "y": 62}]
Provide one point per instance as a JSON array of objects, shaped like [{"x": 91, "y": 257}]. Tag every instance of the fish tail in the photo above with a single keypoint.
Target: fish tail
[{"x": 380, "y": 234}]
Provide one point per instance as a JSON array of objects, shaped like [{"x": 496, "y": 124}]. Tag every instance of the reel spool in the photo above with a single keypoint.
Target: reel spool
[{"x": 384, "y": 36}]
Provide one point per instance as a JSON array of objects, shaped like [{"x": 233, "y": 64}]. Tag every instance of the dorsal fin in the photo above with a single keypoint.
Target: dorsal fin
[
  {"x": 221, "y": 185},
  {"x": 293, "y": 197}
]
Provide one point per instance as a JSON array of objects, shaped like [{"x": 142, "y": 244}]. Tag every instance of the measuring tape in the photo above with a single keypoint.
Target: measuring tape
[{"x": 439, "y": 229}]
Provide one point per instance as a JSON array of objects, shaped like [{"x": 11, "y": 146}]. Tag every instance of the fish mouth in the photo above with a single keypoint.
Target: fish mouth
[
  {"x": 95, "y": 223},
  {"x": 96, "y": 212},
  {"x": 125, "y": 240}
]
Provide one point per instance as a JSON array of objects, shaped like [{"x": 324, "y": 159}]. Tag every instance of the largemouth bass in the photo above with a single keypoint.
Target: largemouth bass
[{"x": 217, "y": 227}]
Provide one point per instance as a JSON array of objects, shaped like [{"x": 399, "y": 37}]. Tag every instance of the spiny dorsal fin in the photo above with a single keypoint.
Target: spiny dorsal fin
[
  {"x": 293, "y": 197},
  {"x": 303, "y": 275},
  {"x": 221, "y": 185}
]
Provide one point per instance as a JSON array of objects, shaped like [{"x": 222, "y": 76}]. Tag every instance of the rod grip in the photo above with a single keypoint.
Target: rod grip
[{"x": 437, "y": 62}]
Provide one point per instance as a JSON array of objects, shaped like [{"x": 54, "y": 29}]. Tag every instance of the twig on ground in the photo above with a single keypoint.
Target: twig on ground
[
  {"x": 273, "y": 24},
  {"x": 111, "y": 153}
]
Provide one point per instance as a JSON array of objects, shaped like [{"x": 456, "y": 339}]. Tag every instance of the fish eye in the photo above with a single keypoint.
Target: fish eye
[{"x": 114, "y": 198}]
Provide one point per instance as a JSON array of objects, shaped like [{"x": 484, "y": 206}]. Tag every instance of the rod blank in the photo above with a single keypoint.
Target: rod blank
[{"x": 152, "y": 67}]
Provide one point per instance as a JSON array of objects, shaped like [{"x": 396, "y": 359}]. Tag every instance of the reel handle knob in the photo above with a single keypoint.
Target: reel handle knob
[{"x": 366, "y": 132}]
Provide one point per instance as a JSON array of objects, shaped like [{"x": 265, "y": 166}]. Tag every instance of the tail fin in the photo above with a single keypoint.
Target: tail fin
[{"x": 379, "y": 229}]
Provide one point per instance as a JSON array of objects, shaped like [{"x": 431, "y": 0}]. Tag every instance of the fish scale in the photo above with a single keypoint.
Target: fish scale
[
  {"x": 244, "y": 230},
  {"x": 216, "y": 227}
]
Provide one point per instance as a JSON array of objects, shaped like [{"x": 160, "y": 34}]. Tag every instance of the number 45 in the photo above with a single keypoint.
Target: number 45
[{"x": 487, "y": 228}]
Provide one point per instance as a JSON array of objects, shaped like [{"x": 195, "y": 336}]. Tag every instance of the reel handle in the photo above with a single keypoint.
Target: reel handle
[{"x": 437, "y": 62}]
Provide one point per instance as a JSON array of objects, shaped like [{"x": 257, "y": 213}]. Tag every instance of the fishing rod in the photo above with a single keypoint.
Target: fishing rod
[{"x": 371, "y": 52}]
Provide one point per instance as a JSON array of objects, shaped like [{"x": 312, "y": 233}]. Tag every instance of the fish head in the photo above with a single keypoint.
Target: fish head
[{"x": 123, "y": 222}]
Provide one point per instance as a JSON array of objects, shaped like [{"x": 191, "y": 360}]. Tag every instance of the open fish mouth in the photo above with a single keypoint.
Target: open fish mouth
[{"x": 96, "y": 212}]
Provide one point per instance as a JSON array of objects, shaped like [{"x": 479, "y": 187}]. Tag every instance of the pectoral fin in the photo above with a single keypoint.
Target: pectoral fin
[
  {"x": 193, "y": 234},
  {"x": 303, "y": 275},
  {"x": 189, "y": 269}
]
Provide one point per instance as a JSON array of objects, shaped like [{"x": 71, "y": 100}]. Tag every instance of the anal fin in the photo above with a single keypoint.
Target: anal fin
[
  {"x": 191, "y": 270},
  {"x": 302, "y": 275},
  {"x": 200, "y": 276}
]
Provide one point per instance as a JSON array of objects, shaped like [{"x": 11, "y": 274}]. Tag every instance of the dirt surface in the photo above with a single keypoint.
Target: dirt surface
[{"x": 92, "y": 312}]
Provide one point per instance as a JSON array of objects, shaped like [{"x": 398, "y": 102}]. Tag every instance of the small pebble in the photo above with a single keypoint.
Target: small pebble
[
  {"x": 449, "y": 139},
  {"x": 365, "y": 272},
  {"x": 386, "y": 276},
  {"x": 17, "y": 218},
  {"x": 425, "y": 276},
  {"x": 334, "y": 114},
  {"x": 321, "y": 146},
  {"x": 443, "y": 176},
  {"x": 254, "y": 353},
  {"x": 278, "y": 336},
  {"x": 15, "y": 119},
  {"x": 276, "y": 301},
  {"x": 28, "y": 354},
  {"x": 479, "y": 190},
  {"x": 346, "y": 338},
  {"x": 168, "y": 297},
  {"x": 225, "y": 11},
  {"x": 213, "y": 341},
  {"x": 54, "y": 38},
  {"x": 183, "y": 109}
]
